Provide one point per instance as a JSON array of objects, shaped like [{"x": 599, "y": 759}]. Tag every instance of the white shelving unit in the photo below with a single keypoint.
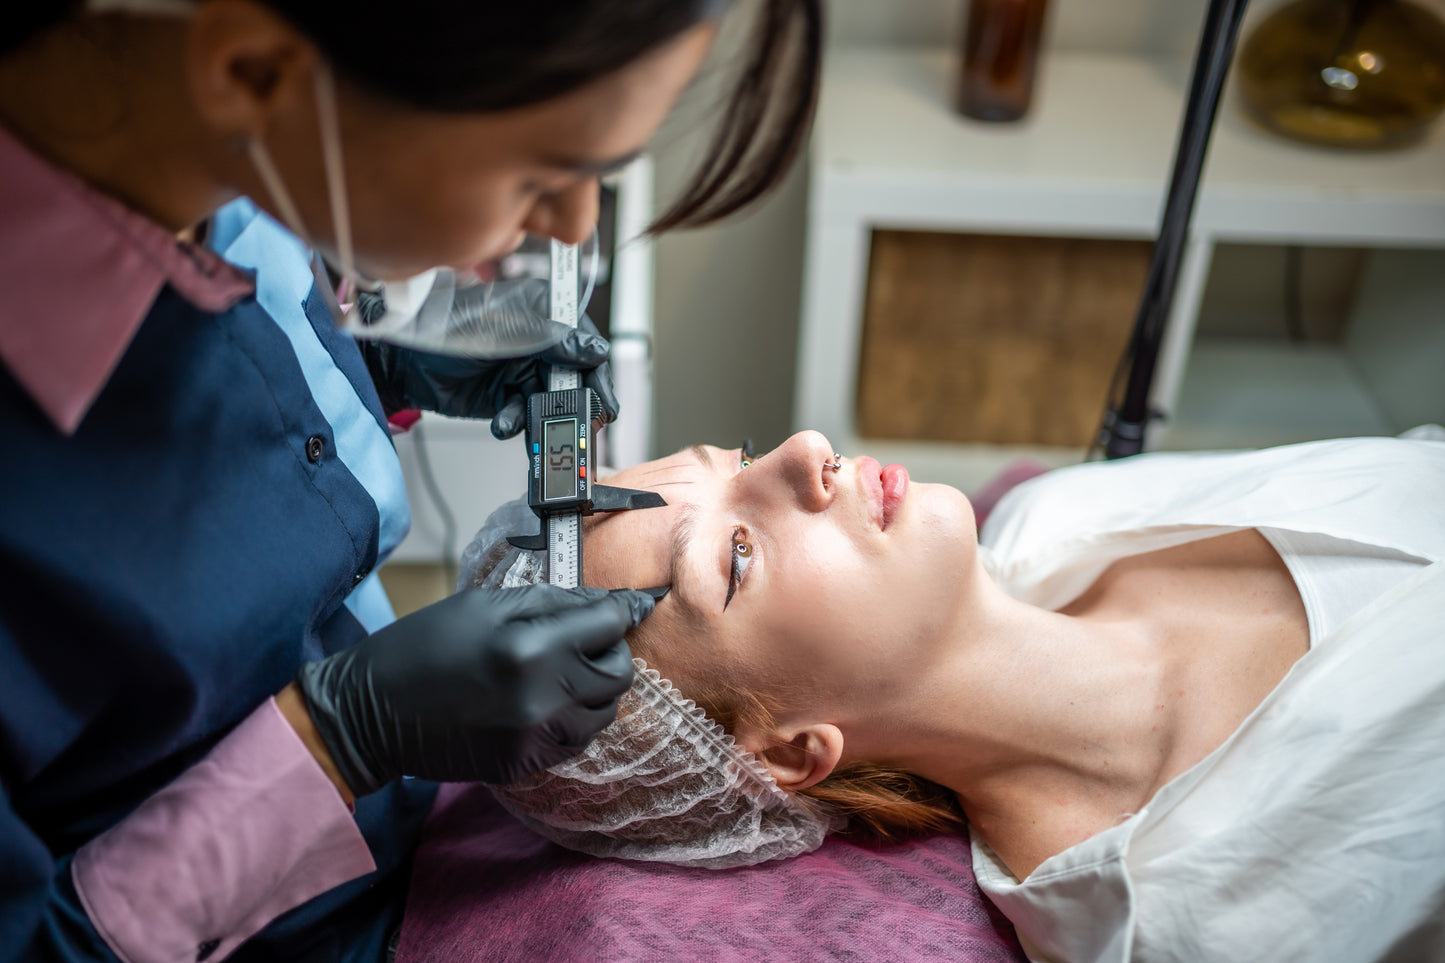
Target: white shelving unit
[{"x": 1092, "y": 160}]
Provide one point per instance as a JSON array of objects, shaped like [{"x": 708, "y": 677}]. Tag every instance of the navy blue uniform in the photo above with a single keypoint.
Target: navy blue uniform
[{"x": 168, "y": 568}]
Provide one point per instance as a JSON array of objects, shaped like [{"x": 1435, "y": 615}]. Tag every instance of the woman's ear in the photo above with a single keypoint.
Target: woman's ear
[
  {"x": 244, "y": 63},
  {"x": 804, "y": 757}
]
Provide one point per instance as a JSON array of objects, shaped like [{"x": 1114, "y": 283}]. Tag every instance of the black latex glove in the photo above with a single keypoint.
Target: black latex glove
[
  {"x": 487, "y": 685},
  {"x": 496, "y": 388}
]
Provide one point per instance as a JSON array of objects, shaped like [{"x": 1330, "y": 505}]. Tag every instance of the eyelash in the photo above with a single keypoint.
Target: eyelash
[{"x": 742, "y": 557}]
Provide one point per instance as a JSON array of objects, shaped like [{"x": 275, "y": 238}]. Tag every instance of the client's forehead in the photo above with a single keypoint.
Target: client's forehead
[
  {"x": 635, "y": 549},
  {"x": 673, "y": 475}
]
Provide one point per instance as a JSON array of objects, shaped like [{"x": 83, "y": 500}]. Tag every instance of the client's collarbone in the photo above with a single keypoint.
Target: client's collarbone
[
  {"x": 1226, "y": 623},
  {"x": 1223, "y": 614}
]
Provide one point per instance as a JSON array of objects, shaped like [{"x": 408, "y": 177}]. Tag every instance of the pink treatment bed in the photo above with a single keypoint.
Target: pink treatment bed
[{"x": 486, "y": 888}]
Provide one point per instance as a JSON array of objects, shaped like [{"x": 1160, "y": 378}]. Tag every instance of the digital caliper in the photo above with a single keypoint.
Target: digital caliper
[{"x": 561, "y": 438}]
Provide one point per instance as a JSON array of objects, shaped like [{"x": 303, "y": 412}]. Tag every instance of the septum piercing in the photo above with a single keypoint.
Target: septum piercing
[{"x": 836, "y": 464}]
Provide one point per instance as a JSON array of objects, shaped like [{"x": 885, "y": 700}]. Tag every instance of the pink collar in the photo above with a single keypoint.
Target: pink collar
[{"x": 80, "y": 272}]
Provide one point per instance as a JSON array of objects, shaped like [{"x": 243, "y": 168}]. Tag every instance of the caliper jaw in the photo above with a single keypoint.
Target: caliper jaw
[{"x": 605, "y": 498}]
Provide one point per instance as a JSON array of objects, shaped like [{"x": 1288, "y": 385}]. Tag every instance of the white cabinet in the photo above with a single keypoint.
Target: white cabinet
[{"x": 1092, "y": 160}]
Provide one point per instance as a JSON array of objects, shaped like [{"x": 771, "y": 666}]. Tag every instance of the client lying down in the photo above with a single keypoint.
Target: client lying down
[{"x": 1185, "y": 705}]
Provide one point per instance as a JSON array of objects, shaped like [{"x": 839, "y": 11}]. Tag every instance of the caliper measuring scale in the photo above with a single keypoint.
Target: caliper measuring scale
[{"x": 561, "y": 439}]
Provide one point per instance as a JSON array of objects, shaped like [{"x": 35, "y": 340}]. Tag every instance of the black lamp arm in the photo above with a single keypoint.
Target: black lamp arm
[{"x": 1123, "y": 430}]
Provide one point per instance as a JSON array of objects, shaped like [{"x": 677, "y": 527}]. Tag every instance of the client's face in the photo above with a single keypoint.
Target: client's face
[{"x": 786, "y": 572}]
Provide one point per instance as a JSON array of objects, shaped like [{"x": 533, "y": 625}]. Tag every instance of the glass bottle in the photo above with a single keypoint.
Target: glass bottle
[
  {"x": 1347, "y": 73},
  {"x": 1000, "y": 58}
]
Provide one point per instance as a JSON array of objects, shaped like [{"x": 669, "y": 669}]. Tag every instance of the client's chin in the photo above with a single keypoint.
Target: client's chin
[
  {"x": 933, "y": 510},
  {"x": 936, "y": 523}
]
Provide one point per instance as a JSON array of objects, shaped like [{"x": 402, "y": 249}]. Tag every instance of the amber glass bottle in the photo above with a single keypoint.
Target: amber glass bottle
[
  {"x": 1348, "y": 73},
  {"x": 1000, "y": 58}
]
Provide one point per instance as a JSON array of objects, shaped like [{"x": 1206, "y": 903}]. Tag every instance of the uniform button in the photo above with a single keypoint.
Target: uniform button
[
  {"x": 359, "y": 577},
  {"x": 204, "y": 951},
  {"x": 315, "y": 446}
]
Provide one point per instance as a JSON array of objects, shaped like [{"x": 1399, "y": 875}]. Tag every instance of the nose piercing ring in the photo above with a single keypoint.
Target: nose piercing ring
[{"x": 836, "y": 464}]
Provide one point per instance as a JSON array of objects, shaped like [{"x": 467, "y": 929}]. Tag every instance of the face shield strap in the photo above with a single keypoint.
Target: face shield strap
[
  {"x": 330, "y": 123},
  {"x": 271, "y": 180},
  {"x": 330, "y": 133}
]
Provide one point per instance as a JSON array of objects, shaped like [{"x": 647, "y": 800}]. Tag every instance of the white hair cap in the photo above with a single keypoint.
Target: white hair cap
[
  {"x": 664, "y": 783},
  {"x": 490, "y": 561}
]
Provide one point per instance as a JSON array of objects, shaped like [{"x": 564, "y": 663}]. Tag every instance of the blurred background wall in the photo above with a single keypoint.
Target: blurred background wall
[{"x": 728, "y": 297}]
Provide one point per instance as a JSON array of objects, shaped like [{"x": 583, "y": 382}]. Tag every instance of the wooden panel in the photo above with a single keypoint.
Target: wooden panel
[{"x": 1006, "y": 340}]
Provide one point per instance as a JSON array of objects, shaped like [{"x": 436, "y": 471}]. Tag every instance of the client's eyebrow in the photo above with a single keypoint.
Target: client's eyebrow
[
  {"x": 687, "y": 520},
  {"x": 682, "y": 535},
  {"x": 701, "y": 453}
]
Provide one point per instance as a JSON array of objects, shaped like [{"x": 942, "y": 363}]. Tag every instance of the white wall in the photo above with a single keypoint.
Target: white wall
[
  {"x": 728, "y": 297},
  {"x": 1163, "y": 26}
]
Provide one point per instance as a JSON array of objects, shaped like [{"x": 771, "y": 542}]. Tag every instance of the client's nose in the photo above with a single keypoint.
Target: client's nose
[{"x": 801, "y": 462}]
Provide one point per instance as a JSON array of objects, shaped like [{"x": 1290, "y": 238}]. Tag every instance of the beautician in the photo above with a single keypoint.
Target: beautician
[{"x": 208, "y": 713}]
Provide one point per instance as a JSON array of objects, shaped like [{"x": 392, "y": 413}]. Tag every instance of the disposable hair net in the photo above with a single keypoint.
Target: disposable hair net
[
  {"x": 490, "y": 561},
  {"x": 663, "y": 783}
]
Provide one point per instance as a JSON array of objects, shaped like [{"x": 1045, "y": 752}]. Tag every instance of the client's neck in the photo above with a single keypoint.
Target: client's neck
[{"x": 1033, "y": 705}]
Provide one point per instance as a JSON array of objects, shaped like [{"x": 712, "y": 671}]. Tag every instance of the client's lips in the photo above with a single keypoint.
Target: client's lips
[
  {"x": 895, "y": 486},
  {"x": 885, "y": 488}
]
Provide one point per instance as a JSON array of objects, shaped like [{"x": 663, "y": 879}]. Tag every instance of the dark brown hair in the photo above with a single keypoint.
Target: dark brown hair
[{"x": 457, "y": 56}]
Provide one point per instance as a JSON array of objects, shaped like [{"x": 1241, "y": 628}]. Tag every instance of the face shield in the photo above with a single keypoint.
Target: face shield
[{"x": 497, "y": 310}]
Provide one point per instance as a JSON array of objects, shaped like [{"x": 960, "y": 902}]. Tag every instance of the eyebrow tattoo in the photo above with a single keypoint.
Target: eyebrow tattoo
[
  {"x": 682, "y": 537},
  {"x": 685, "y": 529}
]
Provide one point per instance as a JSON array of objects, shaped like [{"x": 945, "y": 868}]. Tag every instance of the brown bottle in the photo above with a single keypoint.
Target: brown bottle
[{"x": 1000, "y": 54}]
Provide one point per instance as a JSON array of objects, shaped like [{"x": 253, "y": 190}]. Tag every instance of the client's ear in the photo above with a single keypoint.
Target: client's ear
[{"x": 804, "y": 757}]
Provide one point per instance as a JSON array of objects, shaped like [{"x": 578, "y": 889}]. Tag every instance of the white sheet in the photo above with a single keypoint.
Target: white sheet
[{"x": 1317, "y": 831}]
